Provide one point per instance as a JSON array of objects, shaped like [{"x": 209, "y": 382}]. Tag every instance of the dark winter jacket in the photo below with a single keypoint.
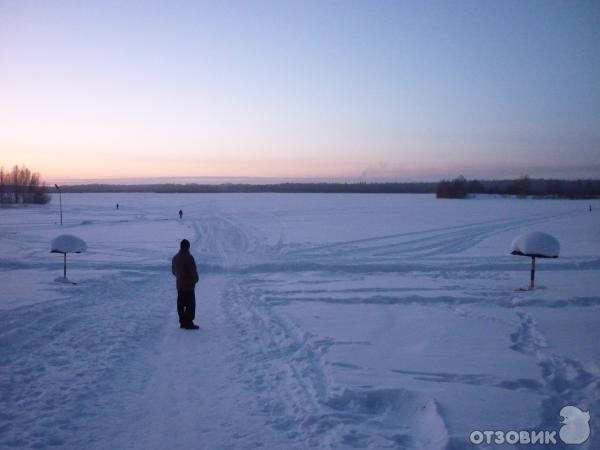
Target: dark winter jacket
[{"x": 183, "y": 267}]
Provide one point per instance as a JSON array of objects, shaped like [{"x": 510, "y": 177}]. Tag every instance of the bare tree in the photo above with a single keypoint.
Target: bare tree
[{"x": 20, "y": 185}]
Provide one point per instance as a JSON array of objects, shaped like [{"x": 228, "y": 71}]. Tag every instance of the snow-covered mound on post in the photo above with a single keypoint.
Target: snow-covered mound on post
[
  {"x": 536, "y": 244},
  {"x": 67, "y": 243}
]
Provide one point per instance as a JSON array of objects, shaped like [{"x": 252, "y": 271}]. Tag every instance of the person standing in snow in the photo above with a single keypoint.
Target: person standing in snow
[
  {"x": 183, "y": 267},
  {"x": 180, "y": 214}
]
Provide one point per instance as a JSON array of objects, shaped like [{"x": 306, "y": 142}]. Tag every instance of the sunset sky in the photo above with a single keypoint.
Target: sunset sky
[{"x": 369, "y": 89}]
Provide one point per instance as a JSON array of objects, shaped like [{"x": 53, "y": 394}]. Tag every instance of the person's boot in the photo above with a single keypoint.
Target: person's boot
[{"x": 191, "y": 326}]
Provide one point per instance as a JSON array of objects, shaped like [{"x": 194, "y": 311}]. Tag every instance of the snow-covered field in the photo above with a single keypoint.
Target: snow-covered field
[{"x": 326, "y": 321}]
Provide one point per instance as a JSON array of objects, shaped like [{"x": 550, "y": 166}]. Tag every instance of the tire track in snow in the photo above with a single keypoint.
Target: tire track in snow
[{"x": 438, "y": 241}]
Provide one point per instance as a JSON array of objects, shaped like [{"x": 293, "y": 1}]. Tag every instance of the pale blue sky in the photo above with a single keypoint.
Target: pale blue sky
[{"x": 407, "y": 90}]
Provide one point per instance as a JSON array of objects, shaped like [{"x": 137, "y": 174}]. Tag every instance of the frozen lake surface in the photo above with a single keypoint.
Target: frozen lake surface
[{"x": 326, "y": 321}]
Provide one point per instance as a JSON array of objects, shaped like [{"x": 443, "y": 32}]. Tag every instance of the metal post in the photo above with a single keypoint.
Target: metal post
[
  {"x": 65, "y": 265},
  {"x": 532, "y": 272},
  {"x": 60, "y": 199}
]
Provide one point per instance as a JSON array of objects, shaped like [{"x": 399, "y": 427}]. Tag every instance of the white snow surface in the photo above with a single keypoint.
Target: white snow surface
[
  {"x": 536, "y": 243},
  {"x": 326, "y": 321},
  {"x": 67, "y": 243}
]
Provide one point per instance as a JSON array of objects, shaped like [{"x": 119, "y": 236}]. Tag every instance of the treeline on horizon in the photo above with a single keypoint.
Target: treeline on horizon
[
  {"x": 20, "y": 186},
  {"x": 457, "y": 188},
  {"x": 524, "y": 186},
  {"x": 282, "y": 188}
]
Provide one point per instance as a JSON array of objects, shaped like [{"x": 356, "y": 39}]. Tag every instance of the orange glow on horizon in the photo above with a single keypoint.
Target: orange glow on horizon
[{"x": 96, "y": 167}]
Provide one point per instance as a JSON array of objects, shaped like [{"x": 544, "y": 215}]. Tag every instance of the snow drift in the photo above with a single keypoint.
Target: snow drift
[
  {"x": 536, "y": 244},
  {"x": 67, "y": 243}
]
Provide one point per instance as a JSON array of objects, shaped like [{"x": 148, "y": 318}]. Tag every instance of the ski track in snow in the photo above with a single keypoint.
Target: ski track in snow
[{"x": 251, "y": 365}]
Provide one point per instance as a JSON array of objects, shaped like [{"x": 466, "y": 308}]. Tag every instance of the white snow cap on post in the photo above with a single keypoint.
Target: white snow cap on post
[
  {"x": 536, "y": 243},
  {"x": 67, "y": 243}
]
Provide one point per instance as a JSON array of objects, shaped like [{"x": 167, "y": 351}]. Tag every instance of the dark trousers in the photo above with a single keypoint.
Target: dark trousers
[{"x": 186, "y": 307}]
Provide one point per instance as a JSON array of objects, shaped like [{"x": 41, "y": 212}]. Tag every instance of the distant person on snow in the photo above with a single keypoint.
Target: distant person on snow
[
  {"x": 180, "y": 214},
  {"x": 117, "y": 206},
  {"x": 183, "y": 267}
]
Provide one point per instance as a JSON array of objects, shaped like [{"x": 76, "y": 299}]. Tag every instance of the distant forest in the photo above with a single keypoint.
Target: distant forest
[
  {"x": 457, "y": 188},
  {"x": 521, "y": 187},
  {"x": 283, "y": 188}
]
